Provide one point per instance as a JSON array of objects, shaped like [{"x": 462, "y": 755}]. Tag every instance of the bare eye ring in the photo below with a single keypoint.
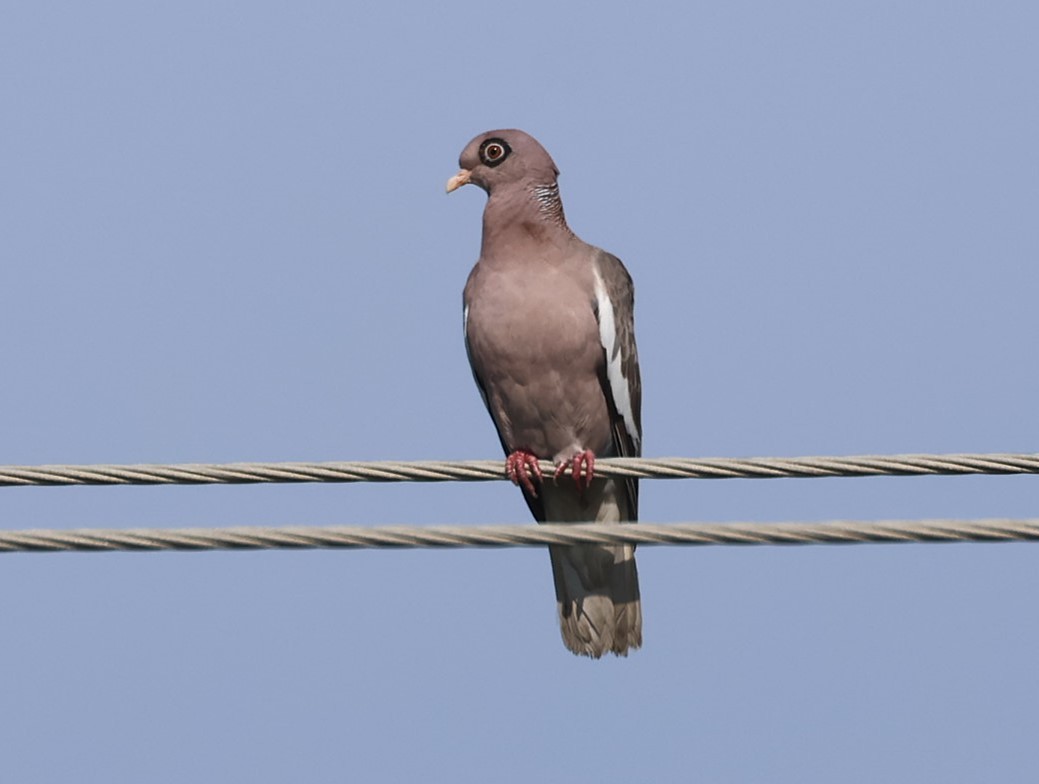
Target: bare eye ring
[{"x": 494, "y": 151}]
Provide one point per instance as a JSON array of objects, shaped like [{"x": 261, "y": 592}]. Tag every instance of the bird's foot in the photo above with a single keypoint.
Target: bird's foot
[
  {"x": 583, "y": 479},
  {"x": 519, "y": 466}
]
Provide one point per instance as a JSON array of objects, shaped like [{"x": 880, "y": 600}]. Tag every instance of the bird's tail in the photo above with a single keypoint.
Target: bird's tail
[{"x": 597, "y": 586}]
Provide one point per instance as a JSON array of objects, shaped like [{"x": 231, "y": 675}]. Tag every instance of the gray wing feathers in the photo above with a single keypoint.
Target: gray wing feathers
[{"x": 622, "y": 382}]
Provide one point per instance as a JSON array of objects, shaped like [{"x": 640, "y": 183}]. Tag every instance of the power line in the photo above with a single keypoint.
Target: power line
[
  {"x": 491, "y": 470},
  {"x": 838, "y": 532},
  {"x": 442, "y": 536}
]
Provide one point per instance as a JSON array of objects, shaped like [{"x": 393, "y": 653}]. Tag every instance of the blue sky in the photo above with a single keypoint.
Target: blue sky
[{"x": 225, "y": 238}]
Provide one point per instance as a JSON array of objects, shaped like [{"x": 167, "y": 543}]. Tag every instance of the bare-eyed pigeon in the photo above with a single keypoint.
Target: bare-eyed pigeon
[{"x": 549, "y": 330}]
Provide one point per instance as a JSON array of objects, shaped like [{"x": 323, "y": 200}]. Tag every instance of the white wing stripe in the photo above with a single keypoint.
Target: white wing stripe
[{"x": 614, "y": 369}]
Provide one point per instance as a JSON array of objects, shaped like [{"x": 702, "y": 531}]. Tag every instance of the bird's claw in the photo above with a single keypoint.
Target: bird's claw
[
  {"x": 582, "y": 460},
  {"x": 519, "y": 466}
]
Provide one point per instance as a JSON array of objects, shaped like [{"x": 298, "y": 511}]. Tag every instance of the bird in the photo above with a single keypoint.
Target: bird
[{"x": 549, "y": 332}]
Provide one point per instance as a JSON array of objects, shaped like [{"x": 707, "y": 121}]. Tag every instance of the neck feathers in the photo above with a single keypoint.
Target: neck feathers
[
  {"x": 549, "y": 204},
  {"x": 524, "y": 215}
]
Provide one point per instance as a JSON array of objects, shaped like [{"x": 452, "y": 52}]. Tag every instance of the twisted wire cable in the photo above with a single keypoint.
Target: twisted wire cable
[
  {"x": 447, "y": 536},
  {"x": 491, "y": 470}
]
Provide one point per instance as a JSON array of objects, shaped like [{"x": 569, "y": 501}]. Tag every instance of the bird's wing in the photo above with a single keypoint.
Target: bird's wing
[{"x": 621, "y": 383}]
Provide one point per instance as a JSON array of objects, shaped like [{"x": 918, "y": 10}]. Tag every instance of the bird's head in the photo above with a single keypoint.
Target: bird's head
[{"x": 499, "y": 159}]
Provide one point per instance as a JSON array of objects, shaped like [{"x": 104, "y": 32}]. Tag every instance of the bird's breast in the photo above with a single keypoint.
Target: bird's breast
[
  {"x": 534, "y": 343},
  {"x": 536, "y": 322}
]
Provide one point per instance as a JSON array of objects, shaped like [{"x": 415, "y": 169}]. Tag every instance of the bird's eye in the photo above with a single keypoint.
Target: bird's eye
[{"x": 494, "y": 151}]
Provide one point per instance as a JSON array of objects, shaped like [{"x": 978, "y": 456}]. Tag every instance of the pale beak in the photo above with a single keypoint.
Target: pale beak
[{"x": 460, "y": 179}]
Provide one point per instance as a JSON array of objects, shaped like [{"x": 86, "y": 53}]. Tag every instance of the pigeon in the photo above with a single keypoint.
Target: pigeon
[{"x": 549, "y": 332}]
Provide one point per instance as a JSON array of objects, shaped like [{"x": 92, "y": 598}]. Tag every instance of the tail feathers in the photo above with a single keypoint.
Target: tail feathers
[
  {"x": 602, "y": 614},
  {"x": 597, "y": 587}
]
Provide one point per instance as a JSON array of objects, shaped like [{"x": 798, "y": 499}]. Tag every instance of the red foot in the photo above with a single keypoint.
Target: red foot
[
  {"x": 519, "y": 466},
  {"x": 585, "y": 459}
]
